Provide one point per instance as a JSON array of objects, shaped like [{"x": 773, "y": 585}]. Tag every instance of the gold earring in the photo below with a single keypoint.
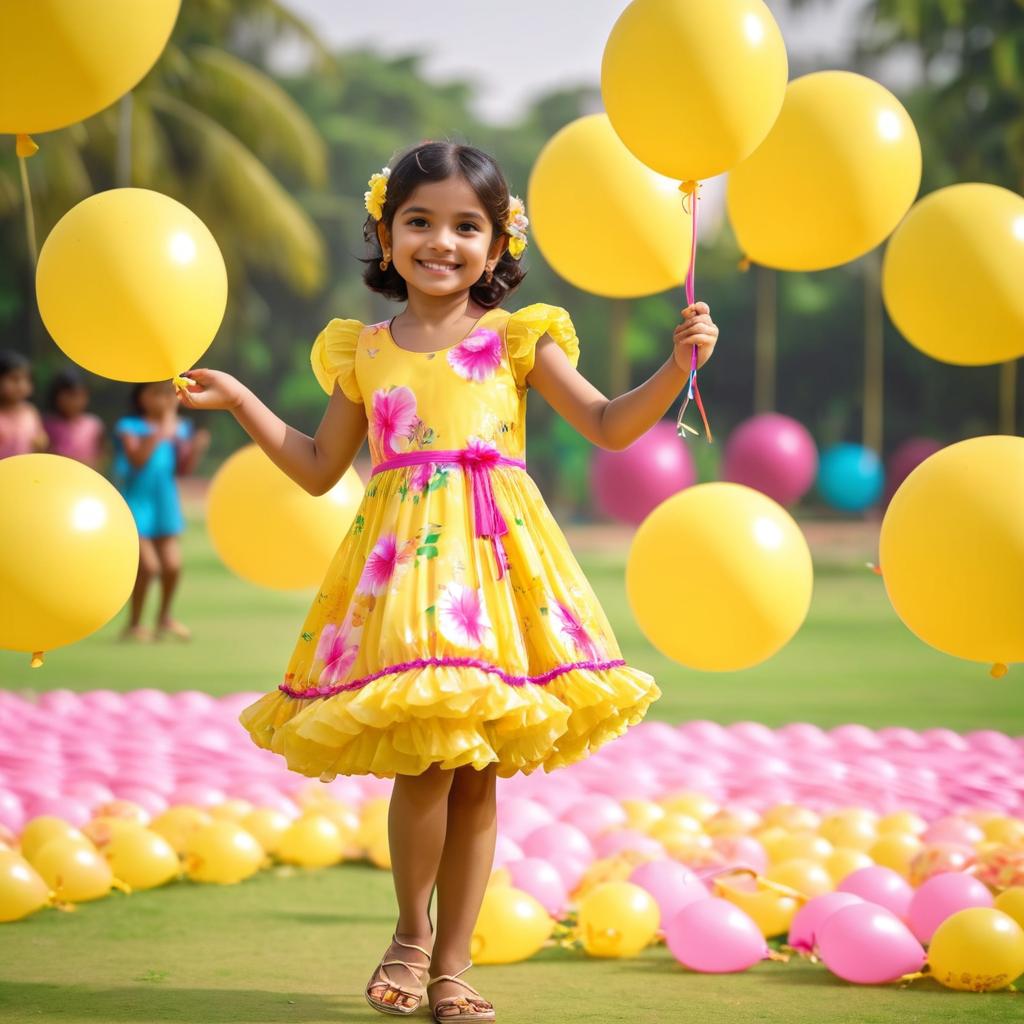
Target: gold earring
[
  {"x": 384, "y": 262},
  {"x": 488, "y": 275}
]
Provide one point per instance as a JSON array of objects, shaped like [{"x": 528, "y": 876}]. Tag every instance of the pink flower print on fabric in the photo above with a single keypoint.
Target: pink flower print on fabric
[
  {"x": 462, "y": 618},
  {"x": 574, "y": 631},
  {"x": 420, "y": 476},
  {"x": 337, "y": 654},
  {"x": 381, "y": 564},
  {"x": 477, "y": 356},
  {"x": 394, "y": 416}
]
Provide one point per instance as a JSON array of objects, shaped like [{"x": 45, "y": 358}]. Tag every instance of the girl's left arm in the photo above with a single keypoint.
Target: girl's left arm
[{"x": 617, "y": 422}]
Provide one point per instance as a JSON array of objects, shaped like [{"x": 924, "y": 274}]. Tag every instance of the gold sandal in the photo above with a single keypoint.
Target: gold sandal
[
  {"x": 466, "y": 1012},
  {"x": 388, "y": 1002}
]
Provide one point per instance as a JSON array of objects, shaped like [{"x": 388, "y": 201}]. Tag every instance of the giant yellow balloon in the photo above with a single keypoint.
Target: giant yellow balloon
[
  {"x": 952, "y": 550},
  {"x": 131, "y": 285},
  {"x": 977, "y": 950},
  {"x": 511, "y": 926},
  {"x": 69, "y": 554},
  {"x": 604, "y": 221},
  {"x": 62, "y": 61},
  {"x": 719, "y": 577},
  {"x": 961, "y": 247},
  {"x": 289, "y": 544},
  {"x": 835, "y": 175},
  {"x": 692, "y": 86}
]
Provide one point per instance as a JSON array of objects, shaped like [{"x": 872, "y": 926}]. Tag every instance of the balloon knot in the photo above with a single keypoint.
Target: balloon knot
[
  {"x": 24, "y": 146},
  {"x": 744, "y": 264},
  {"x": 998, "y": 670},
  {"x": 876, "y": 569},
  {"x": 182, "y": 383},
  {"x": 37, "y": 659}
]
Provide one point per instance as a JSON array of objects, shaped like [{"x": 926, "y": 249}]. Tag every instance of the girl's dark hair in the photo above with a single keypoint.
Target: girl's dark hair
[
  {"x": 64, "y": 380},
  {"x": 136, "y": 396},
  {"x": 11, "y": 360},
  {"x": 437, "y": 161}
]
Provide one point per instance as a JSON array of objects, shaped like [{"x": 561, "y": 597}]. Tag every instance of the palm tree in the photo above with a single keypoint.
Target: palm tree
[{"x": 211, "y": 129}]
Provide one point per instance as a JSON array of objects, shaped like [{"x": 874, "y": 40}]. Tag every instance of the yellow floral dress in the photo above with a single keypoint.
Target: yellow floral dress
[{"x": 454, "y": 625}]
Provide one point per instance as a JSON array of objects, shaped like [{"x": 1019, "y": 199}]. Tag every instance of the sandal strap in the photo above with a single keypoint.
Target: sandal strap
[
  {"x": 410, "y": 945},
  {"x": 458, "y": 981}
]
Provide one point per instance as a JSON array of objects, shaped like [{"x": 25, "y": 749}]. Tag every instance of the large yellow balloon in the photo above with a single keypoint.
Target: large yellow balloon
[
  {"x": 604, "y": 221},
  {"x": 22, "y": 889},
  {"x": 961, "y": 247},
  {"x": 617, "y": 919},
  {"x": 952, "y": 550},
  {"x": 977, "y": 950},
  {"x": 290, "y": 543},
  {"x": 69, "y": 554},
  {"x": 692, "y": 86},
  {"x": 511, "y": 926},
  {"x": 131, "y": 285},
  {"x": 62, "y": 61},
  {"x": 749, "y": 561},
  {"x": 835, "y": 175}
]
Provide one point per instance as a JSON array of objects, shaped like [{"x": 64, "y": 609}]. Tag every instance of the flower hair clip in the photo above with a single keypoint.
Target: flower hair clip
[
  {"x": 377, "y": 193},
  {"x": 516, "y": 224}
]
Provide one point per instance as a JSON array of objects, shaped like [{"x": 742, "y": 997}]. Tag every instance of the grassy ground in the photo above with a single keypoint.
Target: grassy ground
[{"x": 298, "y": 946}]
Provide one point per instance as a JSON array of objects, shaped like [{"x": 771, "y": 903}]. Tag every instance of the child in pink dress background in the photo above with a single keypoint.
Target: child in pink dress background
[
  {"x": 21, "y": 426},
  {"x": 73, "y": 431}
]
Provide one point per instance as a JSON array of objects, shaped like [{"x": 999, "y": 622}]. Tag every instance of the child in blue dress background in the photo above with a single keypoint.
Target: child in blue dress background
[{"x": 151, "y": 448}]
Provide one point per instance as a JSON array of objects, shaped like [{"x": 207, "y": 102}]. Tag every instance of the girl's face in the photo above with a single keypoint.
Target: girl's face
[
  {"x": 72, "y": 401},
  {"x": 15, "y": 386},
  {"x": 156, "y": 398},
  {"x": 441, "y": 238}
]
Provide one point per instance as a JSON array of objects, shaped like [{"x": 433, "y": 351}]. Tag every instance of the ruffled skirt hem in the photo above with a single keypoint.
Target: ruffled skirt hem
[{"x": 450, "y": 716}]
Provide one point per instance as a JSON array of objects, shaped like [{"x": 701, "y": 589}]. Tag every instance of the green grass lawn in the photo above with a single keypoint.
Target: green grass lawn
[{"x": 298, "y": 946}]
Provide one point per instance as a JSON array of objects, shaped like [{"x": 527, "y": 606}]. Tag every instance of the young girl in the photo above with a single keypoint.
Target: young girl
[
  {"x": 454, "y": 638},
  {"x": 150, "y": 449},
  {"x": 73, "y": 432},
  {"x": 21, "y": 427}
]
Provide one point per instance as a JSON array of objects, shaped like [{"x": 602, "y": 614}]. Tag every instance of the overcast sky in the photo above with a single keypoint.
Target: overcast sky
[{"x": 519, "y": 50}]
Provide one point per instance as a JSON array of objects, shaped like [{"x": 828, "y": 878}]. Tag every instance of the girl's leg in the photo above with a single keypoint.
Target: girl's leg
[
  {"x": 149, "y": 566},
  {"x": 462, "y": 878},
  {"x": 417, "y": 818},
  {"x": 168, "y": 550}
]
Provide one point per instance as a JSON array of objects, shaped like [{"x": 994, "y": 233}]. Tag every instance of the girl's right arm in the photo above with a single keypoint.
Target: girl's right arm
[{"x": 317, "y": 463}]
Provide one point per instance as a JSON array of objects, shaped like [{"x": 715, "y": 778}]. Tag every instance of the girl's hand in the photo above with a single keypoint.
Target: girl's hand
[
  {"x": 213, "y": 390},
  {"x": 697, "y": 329}
]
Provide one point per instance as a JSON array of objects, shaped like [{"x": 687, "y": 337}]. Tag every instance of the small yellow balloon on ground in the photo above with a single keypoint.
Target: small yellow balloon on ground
[
  {"x": 977, "y": 950},
  {"x": 511, "y": 926},
  {"x": 617, "y": 919}
]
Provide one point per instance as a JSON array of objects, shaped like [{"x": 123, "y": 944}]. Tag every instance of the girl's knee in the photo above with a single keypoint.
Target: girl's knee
[
  {"x": 434, "y": 778},
  {"x": 475, "y": 783}
]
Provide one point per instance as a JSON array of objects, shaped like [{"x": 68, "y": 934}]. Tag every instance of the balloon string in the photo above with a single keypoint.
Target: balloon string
[
  {"x": 25, "y": 147},
  {"x": 690, "y": 192}
]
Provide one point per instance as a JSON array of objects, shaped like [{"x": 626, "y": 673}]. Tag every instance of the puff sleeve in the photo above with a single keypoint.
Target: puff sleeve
[
  {"x": 525, "y": 328},
  {"x": 333, "y": 357}
]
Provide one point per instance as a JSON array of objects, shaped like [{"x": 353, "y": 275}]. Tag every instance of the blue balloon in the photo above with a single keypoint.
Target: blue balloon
[{"x": 850, "y": 477}]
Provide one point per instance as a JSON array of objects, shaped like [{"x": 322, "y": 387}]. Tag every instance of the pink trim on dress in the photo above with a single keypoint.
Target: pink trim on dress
[{"x": 541, "y": 680}]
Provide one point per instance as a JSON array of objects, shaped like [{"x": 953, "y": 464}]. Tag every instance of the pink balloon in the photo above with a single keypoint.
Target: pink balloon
[
  {"x": 537, "y": 877},
  {"x": 671, "y": 884},
  {"x": 628, "y": 484},
  {"x": 67, "y": 808},
  {"x": 519, "y": 816},
  {"x": 89, "y": 791},
  {"x": 941, "y": 896},
  {"x": 803, "y": 931},
  {"x": 953, "y": 830},
  {"x": 505, "y": 851},
  {"x": 881, "y": 886},
  {"x": 149, "y": 800},
  {"x": 12, "y": 811},
  {"x": 774, "y": 454},
  {"x": 868, "y": 945},
  {"x": 742, "y": 851},
  {"x": 622, "y": 839},
  {"x": 905, "y": 459},
  {"x": 595, "y": 814},
  {"x": 571, "y": 869},
  {"x": 557, "y": 840},
  {"x": 715, "y": 937},
  {"x": 198, "y": 794}
]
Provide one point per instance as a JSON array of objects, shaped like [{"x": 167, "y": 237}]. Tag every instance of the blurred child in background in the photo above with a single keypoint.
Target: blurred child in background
[
  {"x": 151, "y": 447},
  {"x": 21, "y": 426},
  {"x": 73, "y": 432}
]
